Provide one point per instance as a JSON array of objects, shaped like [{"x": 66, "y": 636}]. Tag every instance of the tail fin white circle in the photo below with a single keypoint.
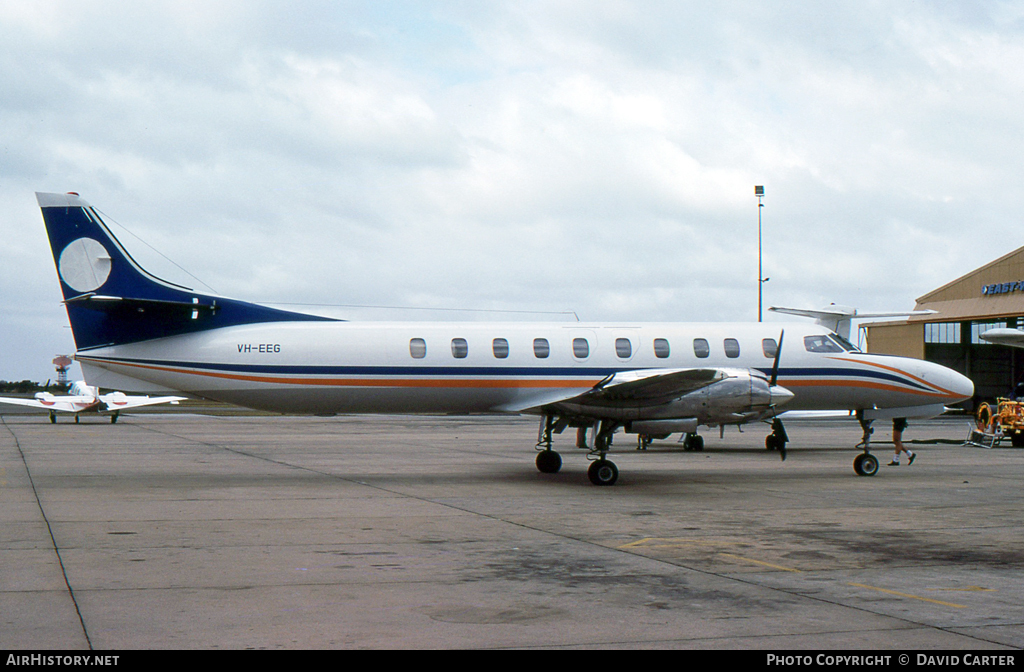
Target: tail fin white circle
[{"x": 84, "y": 265}]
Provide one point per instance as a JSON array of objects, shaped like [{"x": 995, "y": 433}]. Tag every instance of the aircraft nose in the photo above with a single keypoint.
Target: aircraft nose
[{"x": 960, "y": 385}]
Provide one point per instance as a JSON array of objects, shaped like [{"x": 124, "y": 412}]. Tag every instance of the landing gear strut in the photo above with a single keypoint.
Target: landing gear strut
[
  {"x": 548, "y": 461},
  {"x": 603, "y": 471},
  {"x": 865, "y": 464}
]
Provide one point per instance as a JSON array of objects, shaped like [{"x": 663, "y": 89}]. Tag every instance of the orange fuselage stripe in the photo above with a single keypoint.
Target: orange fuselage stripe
[{"x": 383, "y": 382}]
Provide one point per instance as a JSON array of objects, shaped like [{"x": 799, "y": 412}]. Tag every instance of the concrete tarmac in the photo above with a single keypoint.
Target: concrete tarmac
[{"x": 185, "y": 531}]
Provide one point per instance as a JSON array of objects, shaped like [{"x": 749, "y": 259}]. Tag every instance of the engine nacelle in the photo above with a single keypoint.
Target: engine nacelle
[{"x": 739, "y": 395}]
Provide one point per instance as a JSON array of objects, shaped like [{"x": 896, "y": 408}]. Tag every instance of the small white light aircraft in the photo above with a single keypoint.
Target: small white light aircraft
[
  {"x": 87, "y": 399},
  {"x": 134, "y": 331}
]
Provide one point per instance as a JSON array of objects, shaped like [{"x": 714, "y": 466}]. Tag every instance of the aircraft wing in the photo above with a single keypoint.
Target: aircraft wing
[
  {"x": 1012, "y": 337},
  {"x": 64, "y": 404},
  {"x": 118, "y": 401},
  {"x": 653, "y": 385},
  {"x": 650, "y": 386}
]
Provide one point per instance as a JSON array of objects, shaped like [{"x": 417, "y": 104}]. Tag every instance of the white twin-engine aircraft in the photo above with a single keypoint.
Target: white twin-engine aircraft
[
  {"x": 135, "y": 331},
  {"x": 87, "y": 399}
]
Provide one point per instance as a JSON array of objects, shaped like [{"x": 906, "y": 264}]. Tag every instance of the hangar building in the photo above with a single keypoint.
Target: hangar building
[{"x": 987, "y": 298}]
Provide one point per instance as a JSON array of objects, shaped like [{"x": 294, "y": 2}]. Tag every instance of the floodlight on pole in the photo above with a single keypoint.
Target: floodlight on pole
[{"x": 759, "y": 193}]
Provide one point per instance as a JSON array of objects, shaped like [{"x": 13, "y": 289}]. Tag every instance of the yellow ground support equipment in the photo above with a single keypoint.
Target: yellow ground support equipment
[{"x": 1005, "y": 419}]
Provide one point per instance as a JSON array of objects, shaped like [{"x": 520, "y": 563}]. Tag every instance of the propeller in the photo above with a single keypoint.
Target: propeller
[
  {"x": 777, "y": 429},
  {"x": 775, "y": 364}
]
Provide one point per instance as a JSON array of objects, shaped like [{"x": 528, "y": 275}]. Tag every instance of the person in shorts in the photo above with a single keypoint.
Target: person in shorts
[{"x": 898, "y": 425}]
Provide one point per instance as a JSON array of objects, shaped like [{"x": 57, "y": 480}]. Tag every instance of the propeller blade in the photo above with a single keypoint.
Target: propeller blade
[{"x": 775, "y": 364}]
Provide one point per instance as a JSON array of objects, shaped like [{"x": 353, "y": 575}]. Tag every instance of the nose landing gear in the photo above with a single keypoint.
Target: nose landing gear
[{"x": 865, "y": 464}]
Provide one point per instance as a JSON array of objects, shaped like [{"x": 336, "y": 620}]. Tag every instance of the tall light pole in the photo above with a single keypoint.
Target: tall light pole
[{"x": 759, "y": 192}]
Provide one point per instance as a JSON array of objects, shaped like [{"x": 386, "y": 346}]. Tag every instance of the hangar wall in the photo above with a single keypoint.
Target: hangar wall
[{"x": 989, "y": 297}]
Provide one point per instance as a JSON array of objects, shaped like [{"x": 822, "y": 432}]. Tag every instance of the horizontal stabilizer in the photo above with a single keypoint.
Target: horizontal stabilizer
[
  {"x": 183, "y": 309},
  {"x": 837, "y": 318}
]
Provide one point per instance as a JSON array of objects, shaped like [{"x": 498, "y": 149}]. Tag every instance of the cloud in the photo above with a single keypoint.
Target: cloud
[{"x": 597, "y": 156}]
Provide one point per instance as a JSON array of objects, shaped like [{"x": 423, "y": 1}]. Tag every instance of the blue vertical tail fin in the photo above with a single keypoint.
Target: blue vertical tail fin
[{"x": 112, "y": 300}]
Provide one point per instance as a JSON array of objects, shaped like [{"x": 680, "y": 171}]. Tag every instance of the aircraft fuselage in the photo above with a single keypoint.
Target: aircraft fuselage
[{"x": 477, "y": 367}]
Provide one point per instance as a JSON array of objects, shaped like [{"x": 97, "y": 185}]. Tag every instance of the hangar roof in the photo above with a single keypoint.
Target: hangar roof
[{"x": 992, "y": 291}]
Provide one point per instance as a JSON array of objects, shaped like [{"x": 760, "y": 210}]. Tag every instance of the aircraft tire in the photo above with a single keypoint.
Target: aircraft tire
[
  {"x": 549, "y": 462},
  {"x": 698, "y": 443},
  {"x": 603, "y": 472},
  {"x": 865, "y": 464}
]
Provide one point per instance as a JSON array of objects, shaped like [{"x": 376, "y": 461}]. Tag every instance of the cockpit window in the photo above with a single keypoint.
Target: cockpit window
[
  {"x": 846, "y": 345},
  {"x": 821, "y": 344}
]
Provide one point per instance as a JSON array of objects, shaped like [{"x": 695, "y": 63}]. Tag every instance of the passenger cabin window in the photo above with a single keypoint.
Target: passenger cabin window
[
  {"x": 701, "y": 347},
  {"x": 580, "y": 348},
  {"x": 821, "y": 344},
  {"x": 500, "y": 348},
  {"x": 661, "y": 349},
  {"x": 769, "y": 346},
  {"x": 418, "y": 348},
  {"x": 541, "y": 348},
  {"x": 460, "y": 348},
  {"x": 623, "y": 348},
  {"x": 732, "y": 347}
]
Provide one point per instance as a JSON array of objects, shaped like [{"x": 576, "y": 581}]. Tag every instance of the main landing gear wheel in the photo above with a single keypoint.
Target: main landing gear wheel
[
  {"x": 603, "y": 472},
  {"x": 865, "y": 464},
  {"x": 694, "y": 442},
  {"x": 549, "y": 462}
]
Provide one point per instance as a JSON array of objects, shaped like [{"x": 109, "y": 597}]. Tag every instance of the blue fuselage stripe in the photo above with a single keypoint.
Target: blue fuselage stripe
[{"x": 499, "y": 371}]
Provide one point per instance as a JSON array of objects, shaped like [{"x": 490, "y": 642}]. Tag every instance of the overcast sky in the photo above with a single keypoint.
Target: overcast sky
[{"x": 590, "y": 156}]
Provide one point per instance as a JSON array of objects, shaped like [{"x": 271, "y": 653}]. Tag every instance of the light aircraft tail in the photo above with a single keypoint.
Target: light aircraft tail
[{"x": 111, "y": 300}]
